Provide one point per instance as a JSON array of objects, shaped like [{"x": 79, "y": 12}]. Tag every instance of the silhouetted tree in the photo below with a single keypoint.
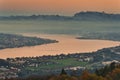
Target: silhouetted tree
[
  {"x": 63, "y": 72},
  {"x": 112, "y": 66}
]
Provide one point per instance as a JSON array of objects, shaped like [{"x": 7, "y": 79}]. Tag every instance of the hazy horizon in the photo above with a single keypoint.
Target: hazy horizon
[{"x": 37, "y": 14}]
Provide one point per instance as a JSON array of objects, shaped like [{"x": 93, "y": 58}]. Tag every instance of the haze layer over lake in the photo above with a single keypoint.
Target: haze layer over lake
[{"x": 58, "y": 27}]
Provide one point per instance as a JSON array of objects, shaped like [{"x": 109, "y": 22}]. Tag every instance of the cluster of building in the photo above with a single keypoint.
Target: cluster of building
[{"x": 8, "y": 72}]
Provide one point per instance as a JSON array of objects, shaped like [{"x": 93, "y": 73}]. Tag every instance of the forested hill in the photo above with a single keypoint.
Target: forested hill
[
  {"x": 96, "y": 16},
  {"x": 81, "y": 16}
]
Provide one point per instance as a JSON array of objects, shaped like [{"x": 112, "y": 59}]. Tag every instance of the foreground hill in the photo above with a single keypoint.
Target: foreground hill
[
  {"x": 13, "y": 41},
  {"x": 47, "y": 65}
]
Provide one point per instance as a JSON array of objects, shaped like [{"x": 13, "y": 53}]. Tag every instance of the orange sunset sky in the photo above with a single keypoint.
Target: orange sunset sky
[{"x": 62, "y": 7}]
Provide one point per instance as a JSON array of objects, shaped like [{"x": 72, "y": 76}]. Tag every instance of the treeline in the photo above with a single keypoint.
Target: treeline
[{"x": 111, "y": 72}]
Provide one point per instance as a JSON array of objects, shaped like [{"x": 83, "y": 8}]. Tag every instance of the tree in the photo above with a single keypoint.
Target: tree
[
  {"x": 84, "y": 75},
  {"x": 63, "y": 72},
  {"x": 112, "y": 66},
  {"x": 114, "y": 75}
]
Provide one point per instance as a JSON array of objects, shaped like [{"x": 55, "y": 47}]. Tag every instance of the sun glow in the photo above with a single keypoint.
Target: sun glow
[{"x": 67, "y": 7}]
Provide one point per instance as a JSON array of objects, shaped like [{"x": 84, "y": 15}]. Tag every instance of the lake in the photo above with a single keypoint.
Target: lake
[
  {"x": 67, "y": 44},
  {"x": 63, "y": 31}
]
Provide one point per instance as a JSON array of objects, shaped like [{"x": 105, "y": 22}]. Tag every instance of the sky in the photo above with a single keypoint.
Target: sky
[{"x": 61, "y": 7}]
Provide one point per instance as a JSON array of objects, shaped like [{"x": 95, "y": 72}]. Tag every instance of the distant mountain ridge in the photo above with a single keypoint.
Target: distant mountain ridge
[{"x": 89, "y": 15}]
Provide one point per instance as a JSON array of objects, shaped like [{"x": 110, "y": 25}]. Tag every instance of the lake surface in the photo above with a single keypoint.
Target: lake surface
[{"x": 67, "y": 44}]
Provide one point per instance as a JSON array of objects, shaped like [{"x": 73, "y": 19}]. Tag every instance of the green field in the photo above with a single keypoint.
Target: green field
[{"x": 61, "y": 63}]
